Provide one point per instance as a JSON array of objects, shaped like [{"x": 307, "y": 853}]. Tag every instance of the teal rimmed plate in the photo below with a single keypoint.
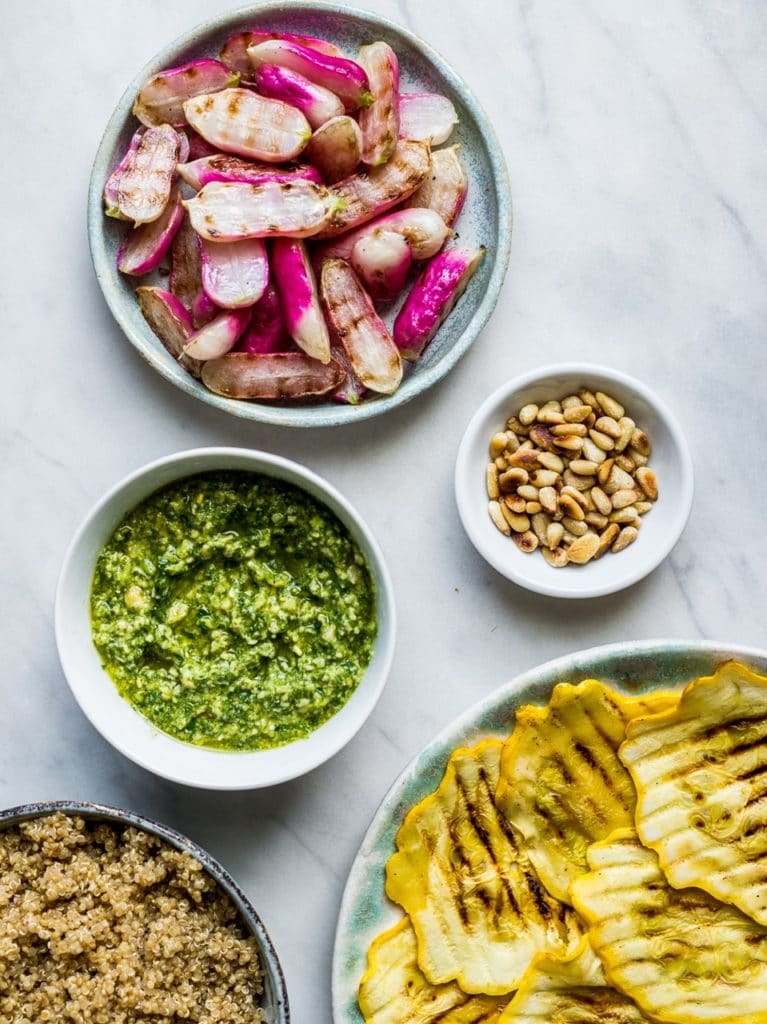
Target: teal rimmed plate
[
  {"x": 634, "y": 668},
  {"x": 485, "y": 219}
]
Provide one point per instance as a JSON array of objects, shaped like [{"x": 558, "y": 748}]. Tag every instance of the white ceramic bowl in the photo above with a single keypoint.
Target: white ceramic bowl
[
  {"x": 131, "y": 733},
  {"x": 661, "y": 527}
]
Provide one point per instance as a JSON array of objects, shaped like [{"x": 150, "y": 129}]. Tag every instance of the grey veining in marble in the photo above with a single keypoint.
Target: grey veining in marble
[{"x": 635, "y": 141}]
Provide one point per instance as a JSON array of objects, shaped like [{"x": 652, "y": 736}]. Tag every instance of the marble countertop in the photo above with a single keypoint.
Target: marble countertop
[{"x": 635, "y": 142}]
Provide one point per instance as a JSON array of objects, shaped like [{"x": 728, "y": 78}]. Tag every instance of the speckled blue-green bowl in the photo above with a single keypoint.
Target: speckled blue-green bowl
[
  {"x": 275, "y": 998},
  {"x": 485, "y": 219},
  {"x": 634, "y": 668}
]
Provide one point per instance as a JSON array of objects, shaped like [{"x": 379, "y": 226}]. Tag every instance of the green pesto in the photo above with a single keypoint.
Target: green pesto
[{"x": 233, "y": 611}]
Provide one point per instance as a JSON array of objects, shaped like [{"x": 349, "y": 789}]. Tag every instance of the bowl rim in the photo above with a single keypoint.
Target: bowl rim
[
  {"x": 323, "y": 414},
  {"x": 386, "y": 620},
  {"x": 632, "y": 384},
  {"x": 101, "y": 812}
]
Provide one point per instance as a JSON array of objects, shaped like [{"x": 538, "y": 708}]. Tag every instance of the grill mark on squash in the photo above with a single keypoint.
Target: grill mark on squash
[{"x": 482, "y": 835}]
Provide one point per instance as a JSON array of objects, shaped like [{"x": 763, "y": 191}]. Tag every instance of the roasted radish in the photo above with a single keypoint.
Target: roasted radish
[
  {"x": 219, "y": 336},
  {"x": 144, "y": 247},
  {"x": 242, "y": 122},
  {"x": 113, "y": 181},
  {"x": 335, "y": 149},
  {"x": 432, "y": 297},
  {"x": 444, "y": 190},
  {"x": 186, "y": 274},
  {"x": 234, "y": 52},
  {"x": 266, "y": 330},
  {"x": 234, "y": 274},
  {"x": 343, "y": 77},
  {"x": 145, "y": 184},
  {"x": 372, "y": 353},
  {"x": 161, "y": 100},
  {"x": 228, "y": 211},
  {"x": 423, "y": 230},
  {"x": 277, "y": 375},
  {"x": 297, "y": 288},
  {"x": 170, "y": 322},
  {"x": 382, "y": 261},
  {"x": 364, "y": 196},
  {"x": 426, "y": 117},
  {"x": 379, "y": 122},
  {"x": 317, "y": 104},
  {"x": 223, "y": 167}
]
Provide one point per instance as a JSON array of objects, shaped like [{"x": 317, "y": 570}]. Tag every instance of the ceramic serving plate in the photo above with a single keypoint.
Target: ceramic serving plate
[
  {"x": 631, "y": 667},
  {"x": 485, "y": 219}
]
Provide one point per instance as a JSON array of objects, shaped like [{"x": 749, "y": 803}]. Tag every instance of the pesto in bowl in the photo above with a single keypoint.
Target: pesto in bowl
[{"x": 234, "y": 611}]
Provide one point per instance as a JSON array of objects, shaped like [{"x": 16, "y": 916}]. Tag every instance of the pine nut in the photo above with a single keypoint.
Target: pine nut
[
  {"x": 588, "y": 398},
  {"x": 497, "y": 445},
  {"x": 637, "y": 458},
  {"x": 551, "y": 461},
  {"x": 557, "y": 558},
  {"x": 643, "y": 507},
  {"x": 496, "y": 515},
  {"x": 583, "y": 549},
  {"x": 542, "y": 437},
  {"x": 545, "y": 478},
  {"x": 625, "y": 515},
  {"x": 619, "y": 481},
  {"x": 607, "y": 425},
  {"x": 602, "y": 502},
  {"x": 569, "y": 430},
  {"x": 606, "y": 538},
  {"x": 625, "y": 462},
  {"x": 571, "y": 443},
  {"x": 597, "y": 519},
  {"x": 571, "y": 508},
  {"x": 527, "y": 414},
  {"x": 591, "y": 452},
  {"x": 541, "y": 523},
  {"x": 571, "y": 402},
  {"x": 514, "y": 502},
  {"x": 610, "y": 406},
  {"x": 518, "y": 523},
  {"x": 501, "y": 463},
  {"x": 550, "y": 416},
  {"x": 648, "y": 483},
  {"x": 492, "y": 481},
  {"x": 574, "y": 526},
  {"x": 512, "y": 442},
  {"x": 626, "y": 425},
  {"x": 531, "y": 507},
  {"x": 576, "y": 413},
  {"x": 526, "y": 458},
  {"x": 513, "y": 423},
  {"x": 583, "y": 467},
  {"x": 576, "y": 495},
  {"x": 512, "y": 478},
  {"x": 554, "y": 535},
  {"x": 602, "y": 441},
  {"x": 622, "y": 499},
  {"x": 579, "y": 483},
  {"x": 526, "y": 542},
  {"x": 641, "y": 442},
  {"x": 528, "y": 492},
  {"x": 604, "y": 471},
  {"x": 548, "y": 499},
  {"x": 627, "y": 536}
]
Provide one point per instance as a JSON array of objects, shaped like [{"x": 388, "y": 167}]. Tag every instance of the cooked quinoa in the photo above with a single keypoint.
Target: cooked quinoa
[{"x": 104, "y": 924}]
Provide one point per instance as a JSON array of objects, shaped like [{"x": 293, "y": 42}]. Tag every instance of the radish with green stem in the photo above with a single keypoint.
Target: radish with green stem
[
  {"x": 234, "y": 52},
  {"x": 270, "y": 376},
  {"x": 316, "y": 103},
  {"x": 341, "y": 76},
  {"x": 240, "y": 121},
  {"x": 379, "y": 122}
]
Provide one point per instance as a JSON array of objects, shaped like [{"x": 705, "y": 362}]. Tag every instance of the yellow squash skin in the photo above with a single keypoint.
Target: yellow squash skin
[
  {"x": 478, "y": 908},
  {"x": 393, "y": 989},
  {"x": 683, "y": 957},
  {"x": 562, "y": 785},
  {"x": 572, "y": 991},
  {"x": 701, "y": 774}
]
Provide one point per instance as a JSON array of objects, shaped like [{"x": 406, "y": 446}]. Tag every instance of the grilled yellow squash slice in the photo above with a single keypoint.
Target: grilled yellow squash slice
[
  {"x": 478, "y": 908},
  {"x": 572, "y": 991},
  {"x": 394, "y": 991},
  {"x": 681, "y": 955},
  {"x": 701, "y": 775},
  {"x": 562, "y": 785}
]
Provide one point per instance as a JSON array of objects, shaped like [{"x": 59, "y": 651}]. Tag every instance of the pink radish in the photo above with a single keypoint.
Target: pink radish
[
  {"x": 266, "y": 330},
  {"x": 317, "y": 104},
  {"x": 239, "y": 121},
  {"x": 352, "y": 390},
  {"x": 380, "y": 121},
  {"x": 372, "y": 353},
  {"x": 145, "y": 246},
  {"x": 170, "y": 322},
  {"x": 366, "y": 195},
  {"x": 234, "y": 52},
  {"x": 198, "y": 147},
  {"x": 277, "y": 375},
  {"x": 114, "y": 179},
  {"x": 219, "y": 336},
  {"x": 223, "y": 167},
  {"x": 335, "y": 148},
  {"x": 234, "y": 274},
  {"x": 297, "y": 288},
  {"x": 426, "y": 117},
  {"x": 423, "y": 230},
  {"x": 382, "y": 261},
  {"x": 432, "y": 298},
  {"x": 144, "y": 187},
  {"x": 228, "y": 211},
  {"x": 161, "y": 100},
  {"x": 186, "y": 274},
  {"x": 343, "y": 77},
  {"x": 444, "y": 191}
]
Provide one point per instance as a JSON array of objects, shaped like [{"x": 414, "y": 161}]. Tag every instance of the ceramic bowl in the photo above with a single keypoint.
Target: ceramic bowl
[
  {"x": 485, "y": 219},
  {"x": 661, "y": 527},
  {"x": 275, "y": 1001},
  {"x": 125, "y": 728}
]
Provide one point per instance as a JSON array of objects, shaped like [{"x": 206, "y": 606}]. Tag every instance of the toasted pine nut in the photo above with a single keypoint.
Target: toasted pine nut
[
  {"x": 610, "y": 406},
  {"x": 512, "y": 478},
  {"x": 570, "y": 402},
  {"x": 526, "y": 542},
  {"x": 597, "y": 519},
  {"x": 603, "y": 441},
  {"x": 568, "y": 538},
  {"x": 527, "y": 414},
  {"x": 622, "y": 499},
  {"x": 554, "y": 535},
  {"x": 577, "y": 413},
  {"x": 518, "y": 522},
  {"x": 545, "y": 478},
  {"x": 569, "y": 430},
  {"x": 619, "y": 481},
  {"x": 580, "y": 483},
  {"x": 548, "y": 499},
  {"x": 497, "y": 445},
  {"x": 514, "y": 502},
  {"x": 496, "y": 515},
  {"x": 574, "y": 526},
  {"x": 625, "y": 462},
  {"x": 627, "y": 536},
  {"x": 550, "y": 416},
  {"x": 579, "y": 496},
  {"x": 643, "y": 507},
  {"x": 588, "y": 398},
  {"x": 602, "y": 502},
  {"x": 591, "y": 452},
  {"x": 571, "y": 507},
  {"x": 626, "y": 515},
  {"x": 541, "y": 523},
  {"x": 637, "y": 458},
  {"x": 604, "y": 471},
  {"x": 514, "y": 424},
  {"x": 528, "y": 492},
  {"x": 527, "y": 458},
  {"x": 541, "y": 435},
  {"x": 607, "y": 425},
  {"x": 583, "y": 549},
  {"x": 501, "y": 463},
  {"x": 571, "y": 443},
  {"x": 512, "y": 442},
  {"x": 626, "y": 425},
  {"x": 491, "y": 481},
  {"x": 641, "y": 442},
  {"x": 606, "y": 538},
  {"x": 531, "y": 507},
  {"x": 583, "y": 467},
  {"x": 551, "y": 461},
  {"x": 647, "y": 481},
  {"x": 557, "y": 557}
]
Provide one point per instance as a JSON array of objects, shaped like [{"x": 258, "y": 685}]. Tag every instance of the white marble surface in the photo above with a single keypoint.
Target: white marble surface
[{"x": 635, "y": 141}]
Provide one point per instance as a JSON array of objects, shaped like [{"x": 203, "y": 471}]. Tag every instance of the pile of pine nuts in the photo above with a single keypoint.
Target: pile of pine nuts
[{"x": 571, "y": 478}]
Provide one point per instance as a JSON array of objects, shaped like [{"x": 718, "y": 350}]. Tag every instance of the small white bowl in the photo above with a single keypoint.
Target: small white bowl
[
  {"x": 661, "y": 527},
  {"x": 125, "y": 728}
]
